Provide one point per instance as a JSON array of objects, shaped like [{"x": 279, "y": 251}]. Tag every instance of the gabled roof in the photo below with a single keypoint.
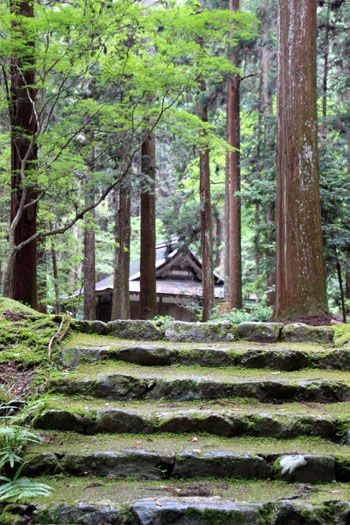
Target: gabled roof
[{"x": 168, "y": 256}]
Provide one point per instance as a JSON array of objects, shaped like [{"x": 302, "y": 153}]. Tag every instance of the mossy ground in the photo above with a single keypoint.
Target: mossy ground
[
  {"x": 227, "y": 374},
  {"x": 165, "y": 443},
  {"x": 230, "y": 406},
  {"x": 25, "y": 334},
  {"x": 341, "y": 334},
  {"x": 83, "y": 340},
  {"x": 92, "y": 490}
]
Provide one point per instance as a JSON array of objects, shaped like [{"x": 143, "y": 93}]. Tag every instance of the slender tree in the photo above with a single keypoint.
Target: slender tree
[
  {"x": 23, "y": 121},
  {"x": 301, "y": 288},
  {"x": 148, "y": 296},
  {"x": 89, "y": 262},
  {"x": 235, "y": 178},
  {"x": 205, "y": 213},
  {"x": 121, "y": 297}
]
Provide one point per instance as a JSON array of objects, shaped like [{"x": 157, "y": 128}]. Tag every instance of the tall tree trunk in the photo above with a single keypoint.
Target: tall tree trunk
[
  {"x": 55, "y": 277},
  {"x": 325, "y": 75},
  {"x": 42, "y": 278},
  {"x": 206, "y": 215},
  {"x": 227, "y": 230},
  {"x": 148, "y": 295},
  {"x": 121, "y": 296},
  {"x": 301, "y": 287},
  {"x": 267, "y": 55},
  {"x": 22, "y": 283},
  {"x": 89, "y": 267},
  {"x": 235, "y": 179},
  {"x": 347, "y": 264}
]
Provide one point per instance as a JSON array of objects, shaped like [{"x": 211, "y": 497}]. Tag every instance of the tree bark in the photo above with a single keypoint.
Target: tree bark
[
  {"x": 206, "y": 214},
  {"x": 121, "y": 296},
  {"x": 55, "y": 277},
  {"x": 235, "y": 180},
  {"x": 148, "y": 296},
  {"x": 301, "y": 287},
  {"x": 22, "y": 284},
  {"x": 227, "y": 230},
  {"x": 89, "y": 266}
]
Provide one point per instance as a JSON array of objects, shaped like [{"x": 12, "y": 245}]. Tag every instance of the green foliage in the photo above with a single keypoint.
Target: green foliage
[
  {"x": 258, "y": 312},
  {"x": 12, "y": 441},
  {"x": 21, "y": 488}
]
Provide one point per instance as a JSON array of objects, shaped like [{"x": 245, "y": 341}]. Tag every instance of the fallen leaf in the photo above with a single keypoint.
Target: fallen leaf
[{"x": 91, "y": 485}]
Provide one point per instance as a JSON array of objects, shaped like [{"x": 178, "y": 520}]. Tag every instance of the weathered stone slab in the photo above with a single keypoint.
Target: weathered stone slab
[
  {"x": 278, "y": 359},
  {"x": 179, "y": 331},
  {"x": 306, "y": 468},
  {"x": 136, "y": 465},
  {"x": 79, "y": 514},
  {"x": 194, "y": 513},
  {"x": 260, "y": 332},
  {"x": 302, "y": 333},
  {"x": 335, "y": 360},
  {"x": 220, "y": 464},
  {"x": 59, "y": 420},
  {"x": 90, "y": 327},
  {"x": 135, "y": 329},
  {"x": 121, "y": 421},
  {"x": 148, "y": 355},
  {"x": 122, "y": 387},
  {"x": 41, "y": 464},
  {"x": 73, "y": 356}
]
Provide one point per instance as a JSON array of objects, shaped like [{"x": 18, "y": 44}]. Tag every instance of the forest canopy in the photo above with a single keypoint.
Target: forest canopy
[{"x": 112, "y": 112}]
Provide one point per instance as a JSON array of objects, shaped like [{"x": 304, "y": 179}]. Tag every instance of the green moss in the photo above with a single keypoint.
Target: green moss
[
  {"x": 165, "y": 443},
  {"x": 26, "y": 340},
  {"x": 341, "y": 334}
]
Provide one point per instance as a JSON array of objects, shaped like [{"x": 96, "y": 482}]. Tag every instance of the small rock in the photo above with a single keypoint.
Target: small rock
[
  {"x": 179, "y": 331},
  {"x": 134, "y": 329},
  {"x": 303, "y": 333},
  {"x": 260, "y": 332}
]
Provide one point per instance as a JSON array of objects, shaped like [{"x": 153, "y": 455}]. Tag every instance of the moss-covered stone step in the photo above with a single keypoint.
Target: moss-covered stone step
[
  {"x": 214, "y": 331},
  {"x": 127, "y": 382},
  {"x": 92, "y": 500},
  {"x": 165, "y": 456},
  {"x": 192, "y": 511},
  {"x": 278, "y": 357},
  {"x": 150, "y": 418}
]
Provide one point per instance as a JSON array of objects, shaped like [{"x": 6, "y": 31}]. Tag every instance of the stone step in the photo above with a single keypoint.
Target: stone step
[
  {"x": 278, "y": 357},
  {"x": 225, "y": 419},
  {"x": 121, "y": 381},
  {"x": 213, "y": 331},
  {"x": 190, "y": 511},
  {"x": 162, "y": 457}
]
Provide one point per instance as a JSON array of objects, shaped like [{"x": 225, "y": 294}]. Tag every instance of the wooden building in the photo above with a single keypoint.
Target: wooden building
[{"x": 178, "y": 285}]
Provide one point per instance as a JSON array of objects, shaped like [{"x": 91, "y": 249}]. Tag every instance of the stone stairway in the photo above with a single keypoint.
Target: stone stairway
[{"x": 185, "y": 432}]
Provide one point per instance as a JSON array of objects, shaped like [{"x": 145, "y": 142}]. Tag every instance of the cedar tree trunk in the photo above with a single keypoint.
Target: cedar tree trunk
[
  {"x": 22, "y": 281},
  {"x": 206, "y": 216},
  {"x": 301, "y": 287},
  {"x": 121, "y": 298},
  {"x": 235, "y": 180},
  {"x": 89, "y": 267},
  {"x": 148, "y": 297}
]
